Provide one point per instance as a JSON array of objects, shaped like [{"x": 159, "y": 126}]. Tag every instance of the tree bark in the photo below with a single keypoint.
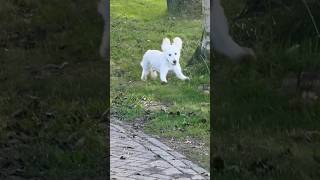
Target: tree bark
[
  {"x": 103, "y": 6},
  {"x": 184, "y": 7},
  {"x": 222, "y": 40},
  {"x": 171, "y": 6},
  {"x": 205, "y": 42},
  {"x": 203, "y": 50}
]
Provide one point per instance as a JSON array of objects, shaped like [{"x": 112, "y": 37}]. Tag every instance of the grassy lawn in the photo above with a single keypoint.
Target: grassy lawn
[
  {"x": 178, "y": 110},
  {"x": 260, "y": 133},
  {"x": 51, "y": 123}
]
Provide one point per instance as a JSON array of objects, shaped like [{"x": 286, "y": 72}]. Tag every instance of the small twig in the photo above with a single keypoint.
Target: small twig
[
  {"x": 54, "y": 66},
  {"x": 205, "y": 64},
  {"x": 312, "y": 18}
]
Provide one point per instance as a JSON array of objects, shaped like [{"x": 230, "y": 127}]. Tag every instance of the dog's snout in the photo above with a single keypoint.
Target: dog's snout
[{"x": 174, "y": 61}]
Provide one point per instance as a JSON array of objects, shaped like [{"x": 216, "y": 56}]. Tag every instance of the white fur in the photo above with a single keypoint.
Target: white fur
[{"x": 156, "y": 61}]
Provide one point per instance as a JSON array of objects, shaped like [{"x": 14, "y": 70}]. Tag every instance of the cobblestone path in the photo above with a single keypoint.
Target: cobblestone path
[{"x": 135, "y": 155}]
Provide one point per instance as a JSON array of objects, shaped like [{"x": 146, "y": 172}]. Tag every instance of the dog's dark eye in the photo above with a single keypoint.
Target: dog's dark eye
[
  {"x": 169, "y": 54},
  {"x": 175, "y": 53}
]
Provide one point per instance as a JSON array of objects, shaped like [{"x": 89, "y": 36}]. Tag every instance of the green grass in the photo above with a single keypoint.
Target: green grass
[
  {"x": 137, "y": 26},
  {"x": 59, "y": 132},
  {"x": 254, "y": 122}
]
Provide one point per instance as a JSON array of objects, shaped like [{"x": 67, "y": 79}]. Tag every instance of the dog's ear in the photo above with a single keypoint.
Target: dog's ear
[
  {"x": 165, "y": 44},
  {"x": 177, "y": 42}
]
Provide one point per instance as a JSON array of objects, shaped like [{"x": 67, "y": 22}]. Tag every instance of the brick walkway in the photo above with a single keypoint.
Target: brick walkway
[{"x": 135, "y": 155}]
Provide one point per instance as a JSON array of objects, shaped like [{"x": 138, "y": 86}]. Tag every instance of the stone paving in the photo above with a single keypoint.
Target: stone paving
[{"x": 135, "y": 155}]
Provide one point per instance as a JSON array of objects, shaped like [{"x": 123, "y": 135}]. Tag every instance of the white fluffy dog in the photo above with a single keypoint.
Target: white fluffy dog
[{"x": 163, "y": 62}]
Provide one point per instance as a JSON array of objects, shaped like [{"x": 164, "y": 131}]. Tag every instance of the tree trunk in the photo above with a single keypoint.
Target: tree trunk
[
  {"x": 205, "y": 42},
  {"x": 103, "y": 8},
  {"x": 189, "y": 8},
  {"x": 171, "y": 5},
  {"x": 203, "y": 50},
  {"x": 222, "y": 40}
]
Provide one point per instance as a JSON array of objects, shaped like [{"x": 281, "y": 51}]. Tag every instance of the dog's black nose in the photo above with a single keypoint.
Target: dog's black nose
[{"x": 174, "y": 62}]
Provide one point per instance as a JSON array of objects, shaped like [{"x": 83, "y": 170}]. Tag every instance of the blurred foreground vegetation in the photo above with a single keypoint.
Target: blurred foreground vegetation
[{"x": 263, "y": 130}]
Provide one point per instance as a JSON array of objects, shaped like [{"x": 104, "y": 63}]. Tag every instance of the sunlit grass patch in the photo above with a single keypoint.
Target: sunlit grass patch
[{"x": 138, "y": 10}]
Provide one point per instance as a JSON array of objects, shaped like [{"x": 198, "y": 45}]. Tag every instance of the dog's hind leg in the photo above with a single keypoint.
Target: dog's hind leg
[
  {"x": 144, "y": 74},
  {"x": 145, "y": 70}
]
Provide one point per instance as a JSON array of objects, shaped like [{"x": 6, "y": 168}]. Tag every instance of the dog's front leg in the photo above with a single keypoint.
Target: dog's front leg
[
  {"x": 163, "y": 74},
  {"x": 177, "y": 70}
]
